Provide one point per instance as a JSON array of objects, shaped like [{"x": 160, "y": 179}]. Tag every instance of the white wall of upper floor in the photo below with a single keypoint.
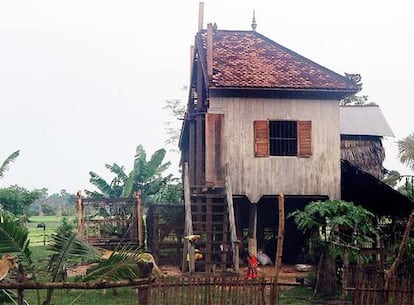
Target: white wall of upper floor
[{"x": 254, "y": 177}]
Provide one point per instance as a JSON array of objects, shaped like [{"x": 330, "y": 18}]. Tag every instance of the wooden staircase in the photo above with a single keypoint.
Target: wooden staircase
[{"x": 211, "y": 221}]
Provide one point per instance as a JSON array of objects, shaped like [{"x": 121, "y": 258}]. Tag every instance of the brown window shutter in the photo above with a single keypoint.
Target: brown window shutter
[
  {"x": 261, "y": 138},
  {"x": 304, "y": 138}
]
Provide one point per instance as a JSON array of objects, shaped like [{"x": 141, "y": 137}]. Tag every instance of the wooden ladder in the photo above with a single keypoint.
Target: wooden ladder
[{"x": 211, "y": 221}]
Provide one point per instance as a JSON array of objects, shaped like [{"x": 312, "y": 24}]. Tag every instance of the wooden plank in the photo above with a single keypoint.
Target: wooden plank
[
  {"x": 188, "y": 221},
  {"x": 214, "y": 137},
  {"x": 232, "y": 220},
  {"x": 280, "y": 236},
  {"x": 138, "y": 196}
]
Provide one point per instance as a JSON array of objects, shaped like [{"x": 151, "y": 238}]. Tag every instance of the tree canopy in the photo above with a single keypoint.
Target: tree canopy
[
  {"x": 17, "y": 199},
  {"x": 406, "y": 150},
  {"x": 146, "y": 176}
]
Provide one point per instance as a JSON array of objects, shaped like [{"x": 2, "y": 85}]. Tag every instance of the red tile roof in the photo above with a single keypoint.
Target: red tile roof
[{"x": 247, "y": 59}]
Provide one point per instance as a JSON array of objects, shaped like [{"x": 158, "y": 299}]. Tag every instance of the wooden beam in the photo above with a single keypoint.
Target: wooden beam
[
  {"x": 233, "y": 232},
  {"x": 280, "y": 236},
  {"x": 200, "y": 15},
  {"x": 188, "y": 247},
  {"x": 138, "y": 196}
]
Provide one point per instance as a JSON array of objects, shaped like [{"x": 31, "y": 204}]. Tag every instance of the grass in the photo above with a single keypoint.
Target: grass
[{"x": 38, "y": 235}]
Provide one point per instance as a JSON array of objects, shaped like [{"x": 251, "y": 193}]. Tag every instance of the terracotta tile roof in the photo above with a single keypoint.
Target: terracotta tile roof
[{"x": 246, "y": 59}]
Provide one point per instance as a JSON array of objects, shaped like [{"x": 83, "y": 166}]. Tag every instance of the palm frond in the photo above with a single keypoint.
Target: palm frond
[
  {"x": 13, "y": 239},
  {"x": 406, "y": 150},
  {"x": 10, "y": 159},
  {"x": 66, "y": 250},
  {"x": 120, "y": 265}
]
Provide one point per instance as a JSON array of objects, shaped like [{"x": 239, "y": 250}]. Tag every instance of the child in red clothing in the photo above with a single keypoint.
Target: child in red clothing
[{"x": 251, "y": 266}]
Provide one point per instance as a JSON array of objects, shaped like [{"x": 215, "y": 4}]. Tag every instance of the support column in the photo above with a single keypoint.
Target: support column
[{"x": 252, "y": 237}]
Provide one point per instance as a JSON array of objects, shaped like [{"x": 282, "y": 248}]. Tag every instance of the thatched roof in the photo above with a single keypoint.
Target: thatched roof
[
  {"x": 362, "y": 128},
  {"x": 366, "y": 153}
]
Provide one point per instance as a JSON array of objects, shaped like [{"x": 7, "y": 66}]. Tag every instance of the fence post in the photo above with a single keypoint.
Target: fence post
[
  {"x": 144, "y": 294},
  {"x": 20, "y": 279}
]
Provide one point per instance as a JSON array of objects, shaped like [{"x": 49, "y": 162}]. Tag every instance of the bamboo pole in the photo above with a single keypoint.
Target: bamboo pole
[
  {"x": 80, "y": 214},
  {"x": 280, "y": 236},
  {"x": 188, "y": 222},
  {"x": 232, "y": 220},
  {"x": 138, "y": 196}
]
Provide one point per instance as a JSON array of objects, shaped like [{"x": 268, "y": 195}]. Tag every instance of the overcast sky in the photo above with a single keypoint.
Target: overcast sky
[{"x": 82, "y": 83}]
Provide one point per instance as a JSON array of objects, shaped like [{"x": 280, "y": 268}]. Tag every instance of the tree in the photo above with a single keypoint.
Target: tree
[
  {"x": 345, "y": 226},
  {"x": 406, "y": 150},
  {"x": 17, "y": 199},
  {"x": 176, "y": 109},
  {"x": 354, "y": 99},
  {"x": 10, "y": 159},
  {"x": 146, "y": 176}
]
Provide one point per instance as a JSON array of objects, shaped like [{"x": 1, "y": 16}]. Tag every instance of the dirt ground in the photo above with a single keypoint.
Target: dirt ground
[{"x": 288, "y": 273}]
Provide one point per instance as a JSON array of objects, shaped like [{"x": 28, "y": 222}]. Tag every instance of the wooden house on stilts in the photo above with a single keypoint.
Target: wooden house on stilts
[{"x": 265, "y": 120}]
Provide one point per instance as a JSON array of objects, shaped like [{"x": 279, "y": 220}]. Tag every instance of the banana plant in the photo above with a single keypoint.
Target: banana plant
[{"x": 10, "y": 159}]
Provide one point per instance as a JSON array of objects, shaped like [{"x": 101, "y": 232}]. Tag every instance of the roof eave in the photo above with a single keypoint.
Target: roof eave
[{"x": 304, "y": 93}]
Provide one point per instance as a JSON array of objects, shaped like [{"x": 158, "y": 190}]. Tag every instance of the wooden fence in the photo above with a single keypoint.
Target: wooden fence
[
  {"x": 210, "y": 291},
  {"x": 194, "y": 290},
  {"x": 370, "y": 289}
]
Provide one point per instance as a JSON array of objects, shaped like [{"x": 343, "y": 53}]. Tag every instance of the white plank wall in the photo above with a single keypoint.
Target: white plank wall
[{"x": 255, "y": 177}]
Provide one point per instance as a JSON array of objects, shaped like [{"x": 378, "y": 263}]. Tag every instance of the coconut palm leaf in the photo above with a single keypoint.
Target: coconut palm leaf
[
  {"x": 120, "y": 265},
  {"x": 10, "y": 159},
  {"x": 68, "y": 249},
  {"x": 406, "y": 150},
  {"x": 13, "y": 239}
]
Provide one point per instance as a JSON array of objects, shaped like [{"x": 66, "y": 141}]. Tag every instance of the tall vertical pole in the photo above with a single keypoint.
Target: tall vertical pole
[
  {"x": 80, "y": 214},
  {"x": 280, "y": 235},
  {"x": 200, "y": 16},
  {"x": 139, "y": 218},
  {"x": 232, "y": 220},
  {"x": 188, "y": 222}
]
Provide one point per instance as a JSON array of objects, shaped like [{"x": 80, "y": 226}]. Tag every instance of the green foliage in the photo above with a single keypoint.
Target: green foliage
[
  {"x": 17, "y": 199},
  {"x": 13, "y": 238},
  {"x": 391, "y": 178},
  {"x": 175, "y": 109},
  {"x": 406, "y": 150},
  {"x": 48, "y": 210},
  {"x": 66, "y": 250},
  {"x": 354, "y": 99},
  {"x": 120, "y": 265},
  {"x": 66, "y": 228},
  {"x": 10, "y": 159},
  {"x": 146, "y": 176},
  {"x": 341, "y": 222}
]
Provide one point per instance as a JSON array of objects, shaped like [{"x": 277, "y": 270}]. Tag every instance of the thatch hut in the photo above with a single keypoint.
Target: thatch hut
[{"x": 362, "y": 128}]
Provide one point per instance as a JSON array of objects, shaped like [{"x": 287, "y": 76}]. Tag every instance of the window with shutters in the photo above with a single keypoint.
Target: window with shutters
[{"x": 283, "y": 138}]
